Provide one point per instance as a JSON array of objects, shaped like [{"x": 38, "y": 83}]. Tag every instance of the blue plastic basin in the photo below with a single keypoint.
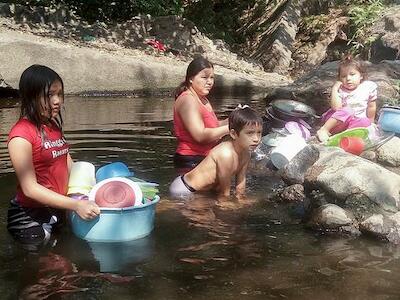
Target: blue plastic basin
[
  {"x": 389, "y": 119},
  {"x": 116, "y": 224},
  {"x": 115, "y": 169}
]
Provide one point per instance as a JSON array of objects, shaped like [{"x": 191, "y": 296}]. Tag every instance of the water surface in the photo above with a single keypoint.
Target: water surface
[{"x": 199, "y": 249}]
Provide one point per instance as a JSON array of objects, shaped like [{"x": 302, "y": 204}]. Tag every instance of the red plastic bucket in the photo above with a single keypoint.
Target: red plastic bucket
[{"x": 352, "y": 144}]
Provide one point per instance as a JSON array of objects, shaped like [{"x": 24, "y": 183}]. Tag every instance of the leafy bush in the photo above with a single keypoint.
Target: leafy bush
[
  {"x": 108, "y": 11},
  {"x": 362, "y": 16},
  {"x": 218, "y": 18}
]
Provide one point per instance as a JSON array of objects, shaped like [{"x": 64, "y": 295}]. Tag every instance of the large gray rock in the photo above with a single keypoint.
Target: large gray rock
[
  {"x": 351, "y": 179},
  {"x": 389, "y": 153},
  {"x": 387, "y": 34}
]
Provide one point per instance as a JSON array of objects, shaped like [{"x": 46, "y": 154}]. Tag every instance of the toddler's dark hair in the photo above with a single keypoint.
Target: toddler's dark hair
[
  {"x": 349, "y": 62},
  {"x": 241, "y": 117}
]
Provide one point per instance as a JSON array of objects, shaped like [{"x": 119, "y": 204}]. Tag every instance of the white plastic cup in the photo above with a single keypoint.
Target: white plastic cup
[
  {"x": 82, "y": 175},
  {"x": 288, "y": 147}
]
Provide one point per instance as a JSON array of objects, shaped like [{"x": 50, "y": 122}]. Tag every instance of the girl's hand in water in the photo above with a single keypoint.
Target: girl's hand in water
[{"x": 87, "y": 209}]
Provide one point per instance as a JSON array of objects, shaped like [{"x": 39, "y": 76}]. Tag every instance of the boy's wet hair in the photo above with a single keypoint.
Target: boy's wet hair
[
  {"x": 349, "y": 62},
  {"x": 242, "y": 116},
  {"x": 197, "y": 65}
]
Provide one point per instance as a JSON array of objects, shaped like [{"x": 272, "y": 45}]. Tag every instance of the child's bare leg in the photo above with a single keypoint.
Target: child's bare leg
[{"x": 324, "y": 132}]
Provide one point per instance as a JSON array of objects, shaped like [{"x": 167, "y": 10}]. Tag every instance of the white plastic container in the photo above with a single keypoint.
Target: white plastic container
[
  {"x": 288, "y": 147},
  {"x": 82, "y": 178}
]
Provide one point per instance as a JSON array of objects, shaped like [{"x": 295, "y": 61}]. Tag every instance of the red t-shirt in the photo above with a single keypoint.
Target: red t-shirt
[
  {"x": 186, "y": 144},
  {"x": 49, "y": 158}
]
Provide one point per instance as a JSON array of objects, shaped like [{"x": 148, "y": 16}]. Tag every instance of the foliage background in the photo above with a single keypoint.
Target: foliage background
[{"x": 224, "y": 19}]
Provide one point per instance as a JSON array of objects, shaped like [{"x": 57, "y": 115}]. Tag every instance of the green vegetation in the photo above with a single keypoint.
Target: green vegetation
[
  {"x": 362, "y": 16},
  {"x": 234, "y": 21},
  {"x": 220, "y": 19},
  {"x": 314, "y": 25},
  {"x": 112, "y": 11}
]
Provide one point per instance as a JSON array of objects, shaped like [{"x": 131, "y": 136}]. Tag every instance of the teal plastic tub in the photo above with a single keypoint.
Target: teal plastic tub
[
  {"x": 389, "y": 119},
  {"x": 116, "y": 224}
]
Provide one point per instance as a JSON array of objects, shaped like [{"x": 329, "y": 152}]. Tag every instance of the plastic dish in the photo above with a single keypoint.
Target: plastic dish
[
  {"x": 287, "y": 150},
  {"x": 116, "y": 192},
  {"x": 116, "y": 224},
  {"x": 360, "y": 132},
  {"x": 81, "y": 178},
  {"x": 389, "y": 119},
  {"x": 85, "y": 190},
  {"x": 272, "y": 139},
  {"x": 115, "y": 169},
  {"x": 297, "y": 128}
]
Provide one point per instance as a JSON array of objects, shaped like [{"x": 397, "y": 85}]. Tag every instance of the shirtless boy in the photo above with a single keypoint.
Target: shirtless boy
[{"x": 229, "y": 158}]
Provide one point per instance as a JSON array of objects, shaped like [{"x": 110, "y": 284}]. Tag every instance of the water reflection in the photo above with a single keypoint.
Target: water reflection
[
  {"x": 57, "y": 276},
  {"x": 120, "y": 257},
  {"x": 198, "y": 249}
]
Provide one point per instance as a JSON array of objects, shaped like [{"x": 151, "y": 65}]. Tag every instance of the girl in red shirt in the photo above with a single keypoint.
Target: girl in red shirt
[{"x": 40, "y": 156}]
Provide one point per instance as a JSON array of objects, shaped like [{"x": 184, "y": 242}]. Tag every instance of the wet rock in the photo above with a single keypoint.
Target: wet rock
[
  {"x": 296, "y": 169},
  {"x": 292, "y": 193},
  {"x": 361, "y": 206},
  {"x": 386, "y": 228},
  {"x": 343, "y": 175},
  {"x": 332, "y": 218},
  {"x": 389, "y": 153}
]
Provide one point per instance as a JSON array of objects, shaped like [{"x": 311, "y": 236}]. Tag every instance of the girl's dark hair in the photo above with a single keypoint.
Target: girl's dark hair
[
  {"x": 241, "y": 117},
  {"x": 349, "y": 62},
  {"x": 196, "y": 65},
  {"x": 35, "y": 83}
]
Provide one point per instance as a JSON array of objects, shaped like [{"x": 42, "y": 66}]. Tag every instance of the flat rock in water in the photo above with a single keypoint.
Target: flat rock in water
[
  {"x": 343, "y": 175},
  {"x": 330, "y": 217},
  {"x": 386, "y": 228}
]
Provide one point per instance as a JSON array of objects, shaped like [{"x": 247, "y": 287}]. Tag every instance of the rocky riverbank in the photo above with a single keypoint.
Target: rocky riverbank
[{"x": 121, "y": 58}]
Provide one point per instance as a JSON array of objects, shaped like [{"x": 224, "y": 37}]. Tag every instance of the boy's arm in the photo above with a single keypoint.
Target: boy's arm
[
  {"x": 371, "y": 111},
  {"x": 241, "y": 180},
  {"x": 224, "y": 174},
  {"x": 336, "y": 102}
]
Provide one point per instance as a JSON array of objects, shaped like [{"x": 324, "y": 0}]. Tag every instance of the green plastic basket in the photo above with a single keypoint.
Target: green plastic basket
[{"x": 361, "y": 132}]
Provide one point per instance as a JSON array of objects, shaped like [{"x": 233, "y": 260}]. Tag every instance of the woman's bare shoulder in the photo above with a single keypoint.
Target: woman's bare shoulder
[{"x": 186, "y": 100}]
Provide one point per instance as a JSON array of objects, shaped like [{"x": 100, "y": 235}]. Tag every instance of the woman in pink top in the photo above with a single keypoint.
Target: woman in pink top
[{"x": 196, "y": 126}]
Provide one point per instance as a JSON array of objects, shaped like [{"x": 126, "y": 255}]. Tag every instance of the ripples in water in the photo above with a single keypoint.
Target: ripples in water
[{"x": 200, "y": 249}]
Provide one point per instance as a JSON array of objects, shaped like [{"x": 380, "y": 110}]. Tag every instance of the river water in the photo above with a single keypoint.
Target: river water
[{"x": 199, "y": 249}]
